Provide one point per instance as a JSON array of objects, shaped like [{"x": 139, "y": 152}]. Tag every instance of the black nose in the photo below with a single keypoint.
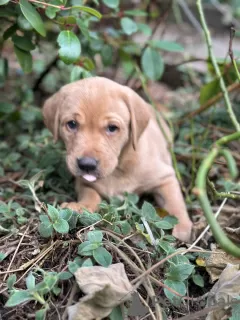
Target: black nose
[{"x": 87, "y": 164}]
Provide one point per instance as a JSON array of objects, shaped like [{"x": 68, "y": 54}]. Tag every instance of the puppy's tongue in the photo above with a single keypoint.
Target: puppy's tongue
[{"x": 89, "y": 177}]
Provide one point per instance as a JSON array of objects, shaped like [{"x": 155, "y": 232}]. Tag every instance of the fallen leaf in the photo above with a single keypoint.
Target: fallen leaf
[
  {"x": 104, "y": 289},
  {"x": 216, "y": 263},
  {"x": 225, "y": 290}
]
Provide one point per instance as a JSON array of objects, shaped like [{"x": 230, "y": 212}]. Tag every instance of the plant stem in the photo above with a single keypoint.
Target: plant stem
[{"x": 216, "y": 67}]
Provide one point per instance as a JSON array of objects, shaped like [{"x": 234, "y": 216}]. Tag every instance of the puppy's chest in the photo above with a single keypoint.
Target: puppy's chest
[{"x": 117, "y": 186}]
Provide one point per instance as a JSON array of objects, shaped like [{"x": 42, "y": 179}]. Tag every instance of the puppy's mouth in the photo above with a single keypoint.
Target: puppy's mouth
[{"x": 89, "y": 177}]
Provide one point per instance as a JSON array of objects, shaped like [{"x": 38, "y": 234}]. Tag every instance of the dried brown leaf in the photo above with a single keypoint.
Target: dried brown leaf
[{"x": 104, "y": 288}]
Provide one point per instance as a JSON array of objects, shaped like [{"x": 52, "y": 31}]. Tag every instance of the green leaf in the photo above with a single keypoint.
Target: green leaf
[
  {"x": 198, "y": 280},
  {"x": 45, "y": 230},
  {"x": 179, "y": 259},
  {"x": 34, "y": 18},
  {"x": 166, "y": 45},
  {"x": 152, "y": 64},
  {"x": 209, "y": 90},
  {"x": 18, "y": 297},
  {"x": 86, "y": 219},
  {"x": 10, "y": 31},
  {"x": 65, "y": 214},
  {"x": 87, "y": 263},
  {"x": 70, "y": 47},
  {"x": 180, "y": 272},
  {"x": 102, "y": 256},
  {"x": 30, "y": 281},
  {"x": 53, "y": 213},
  {"x": 41, "y": 314},
  {"x": 2, "y": 2},
  {"x": 61, "y": 226},
  {"x": 129, "y": 26},
  {"x": 148, "y": 212},
  {"x": 116, "y": 314},
  {"x": 23, "y": 43},
  {"x": 177, "y": 286},
  {"x": 92, "y": 11},
  {"x": 144, "y": 28},
  {"x": 135, "y": 13},
  {"x": 73, "y": 266},
  {"x": 125, "y": 227},
  {"x": 24, "y": 59},
  {"x": 107, "y": 54},
  {"x": 65, "y": 275},
  {"x": 87, "y": 247},
  {"x": 95, "y": 236},
  {"x": 2, "y": 256},
  {"x": 113, "y": 4},
  {"x": 11, "y": 280},
  {"x": 165, "y": 225}
]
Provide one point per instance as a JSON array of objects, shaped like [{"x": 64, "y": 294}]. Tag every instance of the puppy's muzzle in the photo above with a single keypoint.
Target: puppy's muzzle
[{"x": 87, "y": 164}]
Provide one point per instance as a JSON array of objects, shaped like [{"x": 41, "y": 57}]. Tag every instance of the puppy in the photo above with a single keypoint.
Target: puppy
[{"x": 114, "y": 145}]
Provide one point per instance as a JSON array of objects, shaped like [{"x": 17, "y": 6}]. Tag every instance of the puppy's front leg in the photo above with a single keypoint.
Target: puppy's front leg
[
  {"x": 170, "y": 193},
  {"x": 88, "y": 198}
]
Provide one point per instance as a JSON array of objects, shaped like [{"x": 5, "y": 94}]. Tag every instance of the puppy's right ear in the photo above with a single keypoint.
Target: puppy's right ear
[{"x": 51, "y": 114}]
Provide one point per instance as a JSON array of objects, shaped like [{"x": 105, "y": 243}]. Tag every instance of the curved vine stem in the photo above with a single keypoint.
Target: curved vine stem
[{"x": 201, "y": 193}]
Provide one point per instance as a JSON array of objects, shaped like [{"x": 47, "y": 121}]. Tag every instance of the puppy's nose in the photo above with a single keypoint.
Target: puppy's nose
[{"x": 87, "y": 164}]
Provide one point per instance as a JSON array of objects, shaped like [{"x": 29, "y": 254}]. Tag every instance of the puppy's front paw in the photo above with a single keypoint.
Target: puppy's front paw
[
  {"x": 183, "y": 231},
  {"x": 77, "y": 206}
]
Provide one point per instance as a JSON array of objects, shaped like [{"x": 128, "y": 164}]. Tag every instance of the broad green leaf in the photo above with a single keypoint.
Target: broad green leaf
[
  {"x": 179, "y": 259},
  {"x": 144, "y": 28},
  {"x": 107, "y": 54},
  {"x": 24, "y": 59},
  {"x": 30, "y": 281},
  {"x": 41, "y": 314},
  {"x": 102, "y": 256},
  {"x": 89, "y": 10},
  {"x": 87, "y": 246},
  {"x": 11, "y": 280},
  {"x": 129, "y": 26},
  {"x": 34, "y": 18},
  {"x": 166, "y": 45},
  {"x": 177, "y": 286},
  {"x": 23, "y": 43},
  {"x": 166, "y": 246},
  {"x": 2, "y": 2},
  {"x": 10, "y": 31},
  {"x": 70, "y": 47},
  {"x": 116, "y": 314},
  {"x": 18, "y": 297},
  {"x": 113, "y": 4},
  {"x": 53, "y": 213},
  {"x": 61, "y": 226},
  {"x": 165, "y": 225},
  {"x": 65, "y": 214},
  {"x": 179, "y": 272},
  {"x": 73, "y": 266},
  {"x": 65, "y": 275},
  {"x": 152, "y": 64},
  {"x": 95, "y": 236},
  {"x": 23, "y": 23},
  {"x": 198, "y": 280},
  {"x": 148, "y": 212},
  {"x": 125, "y": 227},
  {"x": 87, "y": 263},
  {"x": 135, "y": 13},
  {"x": 87, "y": 219},
  {"x": 45, "y": 230},
  {"x": 44, "y": 218},
  {"x": 209, "y": 90},
  {"x": 6, "y": 107}
]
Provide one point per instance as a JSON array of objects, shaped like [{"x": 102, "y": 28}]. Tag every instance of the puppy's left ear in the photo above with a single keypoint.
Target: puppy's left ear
[
  {"x": 51, "y": 114},
  {"x": 140, "y": 114}
]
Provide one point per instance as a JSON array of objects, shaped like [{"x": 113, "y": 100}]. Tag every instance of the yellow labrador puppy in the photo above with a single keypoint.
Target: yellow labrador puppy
[{"x": 114, "y": 145}]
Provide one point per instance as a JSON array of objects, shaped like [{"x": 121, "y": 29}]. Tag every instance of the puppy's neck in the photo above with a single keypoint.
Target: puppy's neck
[{"x": 127, "y": 159}]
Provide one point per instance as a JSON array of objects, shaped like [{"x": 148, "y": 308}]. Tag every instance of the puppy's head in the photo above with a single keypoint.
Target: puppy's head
[{"x": 96, "y": 118}]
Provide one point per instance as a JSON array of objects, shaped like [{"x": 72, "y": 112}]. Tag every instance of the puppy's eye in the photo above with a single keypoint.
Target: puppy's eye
[
  {"x": 111, "y": 128},
  {"x": 72, "y": 125}
]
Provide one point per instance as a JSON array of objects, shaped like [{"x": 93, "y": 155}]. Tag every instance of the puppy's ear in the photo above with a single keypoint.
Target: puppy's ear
[
  {"x": 51, "y": 114},
  {"x": 139, "y": 115}
]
